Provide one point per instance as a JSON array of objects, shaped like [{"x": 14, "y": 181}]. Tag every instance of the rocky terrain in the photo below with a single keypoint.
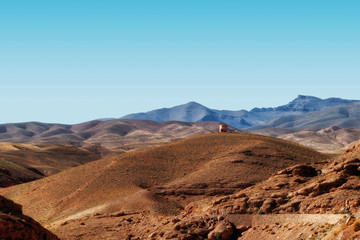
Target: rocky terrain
[
  {"x": 15, "y": 225},
  {"x": 133, "y": 192},
  {"x": 322, "y": 188},
  {"x": 305, "y": 201},
  {"x": 318, "y": 200},
  {"x": 213, "y": 186}
]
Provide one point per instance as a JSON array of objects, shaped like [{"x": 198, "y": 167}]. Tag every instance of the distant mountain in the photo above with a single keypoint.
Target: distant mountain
[
  {"x": 195, "y": 112},
  {"x": 190, "y": 112},
  {"x": 346, "y": 115}
]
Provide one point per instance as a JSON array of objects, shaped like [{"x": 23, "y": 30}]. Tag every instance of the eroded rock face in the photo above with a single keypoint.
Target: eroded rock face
[
  {"x": 299, "y": 170},
  {"x": 15, "y": 225},
  {"x": 320, "y": 188}
]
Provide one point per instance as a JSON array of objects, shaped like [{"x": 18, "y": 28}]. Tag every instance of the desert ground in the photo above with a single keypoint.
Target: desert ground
[{"x": 211, "y": 186}]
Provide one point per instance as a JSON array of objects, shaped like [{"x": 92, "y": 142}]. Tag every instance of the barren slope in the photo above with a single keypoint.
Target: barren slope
[
  {"x": 83, "y": 143},
  {"x": 317, "y": 201},
  {"x": 321, "y": 188},
  {"x": 160, "y": 179},
  {"x": 23, "y": 162}
]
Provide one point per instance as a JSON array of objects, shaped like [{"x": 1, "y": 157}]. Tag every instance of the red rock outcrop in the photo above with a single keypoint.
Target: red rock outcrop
[
  {"x": 317, "y": 188},
  {"x": 15, "y": 225}
]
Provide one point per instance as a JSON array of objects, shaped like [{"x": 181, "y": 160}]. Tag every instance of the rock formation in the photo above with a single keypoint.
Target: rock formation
[{"x": 15, "y": 225}]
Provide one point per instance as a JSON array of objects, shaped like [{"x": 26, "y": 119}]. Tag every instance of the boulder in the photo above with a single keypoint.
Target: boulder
[{"x": 224, "y": 230}]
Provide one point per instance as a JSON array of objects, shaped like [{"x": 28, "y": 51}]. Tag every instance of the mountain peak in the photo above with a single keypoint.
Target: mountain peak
[
  {"x": 304, "y": 103},
  {"x": 192, "y": 103},
  {"x": 302, "y": 97},
  {"x": 195, "y": 112}
]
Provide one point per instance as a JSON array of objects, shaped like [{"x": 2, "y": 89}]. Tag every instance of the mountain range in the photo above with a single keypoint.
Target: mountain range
[
  {"x": 117, "y": 134},
  {"x": 195, "y": 112},
  {"x": 346, "y": 115},
  {"x": 304, "y": 120}
]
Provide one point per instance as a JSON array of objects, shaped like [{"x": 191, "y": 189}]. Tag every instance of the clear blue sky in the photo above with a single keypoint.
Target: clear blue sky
[{"x": 71, "y": 61}]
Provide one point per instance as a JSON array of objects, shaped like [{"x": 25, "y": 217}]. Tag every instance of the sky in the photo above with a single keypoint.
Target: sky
[{"x": 70, "y": 61}]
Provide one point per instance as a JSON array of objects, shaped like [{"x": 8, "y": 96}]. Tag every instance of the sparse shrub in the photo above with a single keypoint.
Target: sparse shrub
[
  {"x": 261, "y": 212},
  {"x": 218, "y": 235}
]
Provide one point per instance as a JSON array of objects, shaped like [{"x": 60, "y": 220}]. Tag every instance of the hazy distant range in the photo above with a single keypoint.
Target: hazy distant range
[
  {"x": 302, "y": 112},
  {"x": 323, "y": 124}
]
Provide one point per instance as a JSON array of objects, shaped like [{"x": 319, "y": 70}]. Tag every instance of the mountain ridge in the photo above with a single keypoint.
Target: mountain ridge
[
  {"x": 346, "y": 115},
  {"x": 121, "y": 134},
  {"x": 195, "y": 112}
]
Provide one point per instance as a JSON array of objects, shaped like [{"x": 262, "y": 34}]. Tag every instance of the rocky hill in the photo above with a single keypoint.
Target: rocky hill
[
  {"x": 42, "y": 155},
  {"x": 128, "y": 191},
  {"x": 321, "y": 188},
  {"x": 317, "y": 188},
  {"x": 317, "y": 200}
]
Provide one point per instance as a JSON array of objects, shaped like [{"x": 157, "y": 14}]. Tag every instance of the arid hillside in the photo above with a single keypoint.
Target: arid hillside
[
  {"x": 329, "y": 188},
  {"x": 24, "y": 162},
  {"x": 39, "y": 149},
  {"x": 160, "y": 180}
]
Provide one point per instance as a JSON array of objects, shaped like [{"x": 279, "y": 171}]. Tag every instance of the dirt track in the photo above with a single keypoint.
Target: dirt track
[{"x": 258, "y": 220}]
